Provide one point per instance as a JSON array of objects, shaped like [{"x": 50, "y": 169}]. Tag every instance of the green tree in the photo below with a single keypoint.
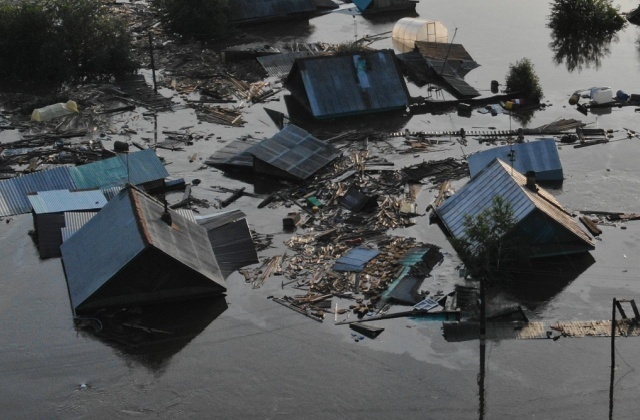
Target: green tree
[
  {"x": 57, "y": 41},
  {"x": 584, "y": 18},
  {"x": 522, "y": 78},
  {"x": 487, "y": 246},
  {"x": 199, "y": 19}
]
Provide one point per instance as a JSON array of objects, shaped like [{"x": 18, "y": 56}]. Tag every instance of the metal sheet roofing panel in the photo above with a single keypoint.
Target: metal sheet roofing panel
[
  {"x": 540, "y": 156},
  {"x": 501, "y": 179},
  {"x": 296, "y": 152},
  {"x": 279, "y": 65},
  {"x": 56, "y": 201},
  {"x": 100, "y": 249},
  {"x": 215, "y": 220},
  {"x": 134, "y": 168},
  {"x": 13, "y": 192},
  {"x": 477, "y": 196},
  {"x": 350, "y": 84},
  {"x": 355, "y": 260},
  {"x": 265, "y": 9},
  {"x": 73, "y": 221},
  {"x": 185, "y": 241}
]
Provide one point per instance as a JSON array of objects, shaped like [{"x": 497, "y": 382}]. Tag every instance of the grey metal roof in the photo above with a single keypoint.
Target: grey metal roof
[
  {"x": 296, "y": 152},
  {"x": 120, "y": 233},
  {"x": 137, "y": 168},
  {"x": 230, "y": 239},
  {"x": 56, "y": 201},
  {"x": 349, "y": 84},
  {"x": 452, "y": 62},
  {"x": 355, "y": 260},
  {"x": 252, "y": 10},
  {"x": 73, "y": 221},
  {"x": 540, "y": 156},
  {"x": 234, "y": 154},
  {"x": 279, "y": 65},
  {"x": 500, "y": 179}
]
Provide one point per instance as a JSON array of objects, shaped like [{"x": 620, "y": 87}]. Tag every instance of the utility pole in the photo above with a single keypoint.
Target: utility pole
[
  {"x": 153, "y": 66},
  {"x": 613, "y": 356}
]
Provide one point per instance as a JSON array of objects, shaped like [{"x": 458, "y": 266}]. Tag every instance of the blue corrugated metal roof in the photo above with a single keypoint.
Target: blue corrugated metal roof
[
  {"x": 56, "y": 201},
  {"x": 350, "y": 84},
  {"x": 499, "y": 179},
  {"x": 13, "y": 192},
  {"x": 296, "y": 152},
  {"x": 540, "y": 156},
  {"x": 73, "y": 221},
  {"x": 252, "y": 10},
  {"x": 142, "y": 167},
  {"x": 355, "y": 260},
  {"x": 133, "y": 168}
]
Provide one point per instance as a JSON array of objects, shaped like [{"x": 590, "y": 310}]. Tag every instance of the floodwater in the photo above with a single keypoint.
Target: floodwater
[{"x": 246, "y": 357}]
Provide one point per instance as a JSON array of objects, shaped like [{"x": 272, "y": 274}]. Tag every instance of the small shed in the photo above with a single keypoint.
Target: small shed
[
  {"x": 48, "y": 209},
  {"x": 542, "y": 224},
  {"x": 135, "y": 251},
  {"x": 407, "y": 31},
  {"x": 380, "y": 6},
  {"x": 540, "y": 156},
  {"x": 292, "y": 154},
  {"x": 230, "y": 239},
  {"x": 256, "y": 11},
  {"x": 348, "y": 84}
]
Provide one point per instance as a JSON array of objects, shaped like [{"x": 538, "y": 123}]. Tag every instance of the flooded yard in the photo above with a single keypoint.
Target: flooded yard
[{"x": 246, "y": 356}]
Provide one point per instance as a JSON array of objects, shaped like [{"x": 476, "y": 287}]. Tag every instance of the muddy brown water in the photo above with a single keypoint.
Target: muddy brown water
[{"x": 247, "y": 357}]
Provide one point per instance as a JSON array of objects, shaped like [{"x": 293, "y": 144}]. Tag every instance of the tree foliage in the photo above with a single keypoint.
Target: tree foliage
[
  {"x": 198, "y": 19},
  {"x": 522, "y": 78},
  {"x": 487, "y": 244},
  {"x": 57, "y": 41},
  {"x": 584, "y": 18}
]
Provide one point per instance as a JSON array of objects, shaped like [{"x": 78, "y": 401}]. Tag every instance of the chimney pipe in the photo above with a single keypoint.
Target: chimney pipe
[{"x": 531, "y": 181}]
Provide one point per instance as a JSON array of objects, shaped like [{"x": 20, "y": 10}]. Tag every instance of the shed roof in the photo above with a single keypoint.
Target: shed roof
[
  {"x": 500, "y": 179},
  {"x": 255, "y": 10},
  {"x": 540, "y": 156},
  {"x": 296, "y": 152},
  {"x": 73, "y": 221},
  {"x": 125, "y": 228},
  {"x": 349, "y": 84},
  {"x": 57, "y": 201},
  {"x": 355, "y": 260},
  {"x": 136, "y": 168}
]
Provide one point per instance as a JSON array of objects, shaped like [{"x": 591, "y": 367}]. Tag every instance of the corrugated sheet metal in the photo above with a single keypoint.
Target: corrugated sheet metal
[
  {"x": 253, "y": 10},
  {"x": 350, "y": 84},
  {"x": 234, "y": 154},
  {"x": 230, "y": 239},
  {"x": 500, "y": 179},
  {"x": 355, "y": 260},
  {"x": 56, "y": 201},
  {"x": 130, "y": 228},
  {"x": 73, "y": 221},
  {"x": 540, "y": 156},
  {"x": 452, "y": 62},
  {"x": 134, "y": 168},
  {"x": 13, "y": 192},
  {"x": 296, "y": 152},
  {"x": 279, "y": 65}
]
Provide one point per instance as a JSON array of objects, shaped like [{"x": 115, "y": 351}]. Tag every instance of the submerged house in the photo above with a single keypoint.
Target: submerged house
[
  {"x": 257, "y": 11},
  {"x": 542, "y": 224},
  {"x": 379, "y": 6},
  {"x": 136, "y": 251},
  {"x": 49, "y": 209},
  {"x": 540, "y": 156},
  {"x": 348, "y": 84},
  {"x": 292, "y": 154}
]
